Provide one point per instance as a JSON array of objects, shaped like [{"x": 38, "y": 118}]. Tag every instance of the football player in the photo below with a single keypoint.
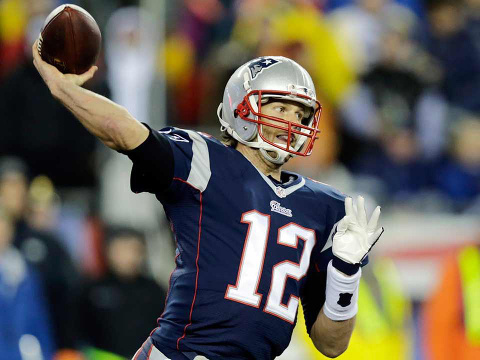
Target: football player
[{"x": 252, "y": 239}]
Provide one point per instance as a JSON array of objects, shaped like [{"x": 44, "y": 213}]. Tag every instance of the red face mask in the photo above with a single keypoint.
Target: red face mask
[{"x": 298, "y": 131}]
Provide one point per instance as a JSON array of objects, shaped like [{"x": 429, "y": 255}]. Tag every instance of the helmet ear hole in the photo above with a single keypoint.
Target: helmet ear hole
[{"x": 242, "y": 110}]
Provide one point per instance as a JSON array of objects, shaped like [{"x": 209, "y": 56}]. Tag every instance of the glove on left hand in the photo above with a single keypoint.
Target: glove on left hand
[{"x": 355, "y": 236}]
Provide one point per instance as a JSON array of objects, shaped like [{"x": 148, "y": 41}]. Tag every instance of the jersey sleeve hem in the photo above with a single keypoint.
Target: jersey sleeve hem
[{"x": 153, "y": 164}]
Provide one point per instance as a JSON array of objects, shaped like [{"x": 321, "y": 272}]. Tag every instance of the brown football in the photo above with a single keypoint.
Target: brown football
[{"x": 70, "y": 39}]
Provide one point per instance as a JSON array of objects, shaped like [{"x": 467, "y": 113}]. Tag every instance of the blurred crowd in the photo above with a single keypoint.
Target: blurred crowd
[{"x": 80, "y": 255}]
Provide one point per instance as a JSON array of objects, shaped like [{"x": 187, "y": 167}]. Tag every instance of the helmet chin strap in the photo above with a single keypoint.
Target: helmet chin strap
[{"x": 281, "y": 155}]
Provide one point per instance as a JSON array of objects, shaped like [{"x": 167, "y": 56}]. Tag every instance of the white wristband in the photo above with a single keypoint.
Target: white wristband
[{"x": 341, "y": 295}]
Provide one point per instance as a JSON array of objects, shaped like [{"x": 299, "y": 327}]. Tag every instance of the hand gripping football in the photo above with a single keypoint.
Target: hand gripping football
[{"x": 70, "y": 39}]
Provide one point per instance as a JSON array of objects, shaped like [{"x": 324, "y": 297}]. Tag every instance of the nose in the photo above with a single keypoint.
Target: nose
[{"x": 292, "y": 117}]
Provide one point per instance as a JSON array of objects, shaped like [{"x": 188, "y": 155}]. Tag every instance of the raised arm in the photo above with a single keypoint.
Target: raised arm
[
  {"x": 108, "y": 121},
  {"x": 353, "y": 239}
]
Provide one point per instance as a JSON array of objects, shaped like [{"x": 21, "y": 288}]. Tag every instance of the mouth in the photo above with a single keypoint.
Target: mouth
[{"x": 283, "y": 139}]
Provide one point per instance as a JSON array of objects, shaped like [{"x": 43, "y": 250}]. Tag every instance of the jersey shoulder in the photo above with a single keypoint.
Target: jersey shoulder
[
  {"x": 200, "y": 157},
  {"x": 179, "y": 136},
  {"x": 327, "y": 193}
]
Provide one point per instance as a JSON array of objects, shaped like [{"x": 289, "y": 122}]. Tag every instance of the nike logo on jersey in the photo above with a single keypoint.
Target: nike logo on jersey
[
  {"x": 177, "y": 137},
  {"x": 174, "y": 137},
  {"x": 276, "y": 207}
]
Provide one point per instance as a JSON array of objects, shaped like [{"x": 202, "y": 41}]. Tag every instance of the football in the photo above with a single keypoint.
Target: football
[{"x": 70, "y": 39}]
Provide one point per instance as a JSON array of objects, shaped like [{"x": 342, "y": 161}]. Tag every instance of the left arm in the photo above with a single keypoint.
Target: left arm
[
  {"x": 331, "y": 337},
  {"x": 353, "y": 239}
]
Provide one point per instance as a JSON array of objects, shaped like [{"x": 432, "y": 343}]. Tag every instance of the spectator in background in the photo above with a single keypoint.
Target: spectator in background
[
  {"x": 472, "y": 13},
  {"x": 101, "y": 10},
  {"x": 130, "y": 53},
  {"x": 458, "y": 177},
  {"x": 41, "y": 249},
  {"x": 453, "y": 46},
  {"x": 25, "y": 331},
  {"x": 381, "y": 117},
  {"x": 117, "y": 311},
  {"x": 451, "y": 317},
  {"x": 360, "y": 25}
]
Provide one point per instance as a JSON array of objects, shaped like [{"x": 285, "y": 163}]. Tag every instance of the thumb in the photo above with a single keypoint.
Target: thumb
[{"x": 83, "y": 78}]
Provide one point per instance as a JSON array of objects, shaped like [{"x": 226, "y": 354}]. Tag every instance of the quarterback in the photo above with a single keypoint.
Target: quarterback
[{"x": 252, "y": 241}]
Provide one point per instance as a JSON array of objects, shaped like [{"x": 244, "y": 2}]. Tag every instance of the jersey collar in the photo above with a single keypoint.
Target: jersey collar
[{"x": 283, "y": 190}]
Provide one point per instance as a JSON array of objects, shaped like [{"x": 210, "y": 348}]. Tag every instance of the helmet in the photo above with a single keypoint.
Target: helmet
[{"x": 254, "y": 84}]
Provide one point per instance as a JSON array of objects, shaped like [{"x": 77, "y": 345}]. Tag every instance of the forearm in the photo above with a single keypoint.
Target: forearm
[
  {"x": 106, "y": 120},
  {"x": 331, "y": 337},
  {"x": 335, "y": 322}
]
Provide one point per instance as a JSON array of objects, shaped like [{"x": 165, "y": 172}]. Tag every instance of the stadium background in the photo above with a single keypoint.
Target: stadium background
[{"x": 398, "y": 81}]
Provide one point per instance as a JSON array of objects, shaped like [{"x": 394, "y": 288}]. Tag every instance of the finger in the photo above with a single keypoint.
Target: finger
[
  {"x": 35, "y": 53},
  {"x": 91, "y": 72},
  {"x": 361, "y": 212},
  {"x": 82, "y": 78},
  {"x": 37, "y": 59},
  {"x": 349, "y": 207},
  {"x": 372, "y": 224},
  {"x": 376, "y": 235},
  {"x": 88, "y": 74}
]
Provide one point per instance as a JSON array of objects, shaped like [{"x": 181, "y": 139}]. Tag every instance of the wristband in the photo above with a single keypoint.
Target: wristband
[
  {"x": 341, "y": 294},
  {"x": 344, "y": 267}
]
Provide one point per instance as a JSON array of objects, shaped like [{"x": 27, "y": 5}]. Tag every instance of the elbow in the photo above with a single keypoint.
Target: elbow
[
  {"x": 331, "y": 348},
  {"x": 123, "y": 132},
  {"x": 333, "y": 351}
]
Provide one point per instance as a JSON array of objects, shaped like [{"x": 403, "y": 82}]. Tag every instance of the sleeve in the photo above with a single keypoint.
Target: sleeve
[
  {"x": 153, "y": 164},
  {"x": 170, "y": 154},
  {"x": 313, "y": 295}
]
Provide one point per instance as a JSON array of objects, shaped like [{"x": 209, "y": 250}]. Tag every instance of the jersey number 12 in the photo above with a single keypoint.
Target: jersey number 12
[{"x": 245, "y": 290}]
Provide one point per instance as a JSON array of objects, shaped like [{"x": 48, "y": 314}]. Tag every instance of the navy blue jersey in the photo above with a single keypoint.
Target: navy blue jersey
[{"x": 248, "y": 247}]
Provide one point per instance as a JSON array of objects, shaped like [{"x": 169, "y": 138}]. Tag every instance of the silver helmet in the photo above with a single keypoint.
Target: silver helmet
[{"x": 254, "y": 84}]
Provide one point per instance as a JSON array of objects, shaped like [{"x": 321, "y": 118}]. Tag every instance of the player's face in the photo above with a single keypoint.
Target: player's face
[{"x": 285, "y": 110}]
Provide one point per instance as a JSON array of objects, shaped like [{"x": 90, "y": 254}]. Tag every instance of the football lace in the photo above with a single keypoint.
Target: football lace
[{"x": 39, "y": 44}]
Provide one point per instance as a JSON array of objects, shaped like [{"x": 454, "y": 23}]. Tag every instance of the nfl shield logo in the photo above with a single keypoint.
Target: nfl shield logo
[{"x": 280, "y": 192}]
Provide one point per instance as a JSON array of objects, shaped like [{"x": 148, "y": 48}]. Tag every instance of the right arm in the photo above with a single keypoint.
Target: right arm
[{"x": 108, "y": 121}]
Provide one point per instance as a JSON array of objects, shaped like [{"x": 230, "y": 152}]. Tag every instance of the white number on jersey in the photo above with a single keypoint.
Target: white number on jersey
[{"x": 251, "y": 265}]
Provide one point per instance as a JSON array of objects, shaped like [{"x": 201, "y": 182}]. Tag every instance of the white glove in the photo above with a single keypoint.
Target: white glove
[{"x": 355, "y": 236}]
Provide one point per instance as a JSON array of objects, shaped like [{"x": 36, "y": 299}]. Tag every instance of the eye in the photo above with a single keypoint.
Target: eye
[
  {"x": 299, "y": 115},
  {"x": 280, "y": 109}
]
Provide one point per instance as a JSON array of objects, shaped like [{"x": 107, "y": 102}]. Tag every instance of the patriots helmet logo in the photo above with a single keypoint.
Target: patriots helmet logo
[{"x": 258, "y": 66}]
